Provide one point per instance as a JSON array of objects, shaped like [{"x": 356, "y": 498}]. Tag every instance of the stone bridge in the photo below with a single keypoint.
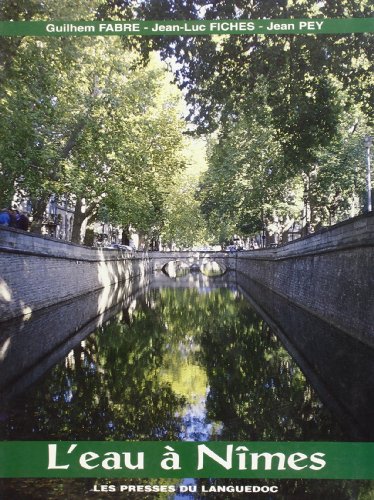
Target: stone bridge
[{"x": 209, "y": 263}]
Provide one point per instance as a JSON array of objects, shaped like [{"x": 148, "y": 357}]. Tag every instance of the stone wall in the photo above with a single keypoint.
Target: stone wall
[
  {"x": 338, "y": 366},
  {"x": 37, "y": 272},
  {"x": 30, "y": 345},
  {"x": 330, "y": 274}
]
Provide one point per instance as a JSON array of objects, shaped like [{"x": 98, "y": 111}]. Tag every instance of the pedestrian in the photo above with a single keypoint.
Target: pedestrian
[
  {"x": 4, "y": 217},
  {"x": 22, "y": 221},
  {"x": 13, "y": 217}
]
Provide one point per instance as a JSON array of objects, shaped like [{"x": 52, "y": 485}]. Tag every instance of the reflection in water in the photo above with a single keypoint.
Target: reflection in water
[
  {"x": 176, "y": 363},
  {"x": 211, "y": 268},
  {"x": 30, "y": 345},
  {"x": 340, "y": 368},
  {"x": 176, "y": 268}
]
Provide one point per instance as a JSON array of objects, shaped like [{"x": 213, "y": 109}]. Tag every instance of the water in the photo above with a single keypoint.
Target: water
[
  {"x": 188, "y": 363},
  {"x": 176, "y": 364}
]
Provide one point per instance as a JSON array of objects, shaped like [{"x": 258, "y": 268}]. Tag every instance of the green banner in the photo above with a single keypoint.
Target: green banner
[
  {"x": 148, "y": 459},
  {"x": 174, "y": 28}
]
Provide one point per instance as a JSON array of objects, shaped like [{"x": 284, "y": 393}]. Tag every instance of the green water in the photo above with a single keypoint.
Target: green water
[{"x": 176, "y": 364}]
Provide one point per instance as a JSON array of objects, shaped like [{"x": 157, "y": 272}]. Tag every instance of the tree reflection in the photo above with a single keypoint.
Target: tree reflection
[
  {"x": 107, "y": 388},
  {"x": 256, "y": 389},
  {"x": 128, "y": 380}
]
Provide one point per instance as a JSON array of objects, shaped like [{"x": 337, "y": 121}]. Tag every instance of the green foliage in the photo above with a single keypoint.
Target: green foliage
[
  {"x": 218, "y": 72},
  {"x": 34, "y": 80},
  {"x": 144, "y": 152},
  {"x": 184, "y": 225},
  {"x": 129, "y": 147},
  {"x": 250, "y": 181},
  {"x": 90, "y": 123},
  {"x": 247, "y": 179},
  {"x": 337, "y": 181},
  {"x": 80, "y": 122},
  {"x": 285, "y": 96}
]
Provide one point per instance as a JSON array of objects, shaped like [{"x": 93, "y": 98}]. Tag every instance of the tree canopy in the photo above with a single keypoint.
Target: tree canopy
[
  {"x": 296, "y": 100},
  {"x": 83, "y": 122},
  {"x": 97, "y": 121}
]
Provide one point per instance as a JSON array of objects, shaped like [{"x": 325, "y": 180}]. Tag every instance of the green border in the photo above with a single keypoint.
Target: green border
[
  {"x": 219, "y": 459},
  {"x": 175, "y": 28}
]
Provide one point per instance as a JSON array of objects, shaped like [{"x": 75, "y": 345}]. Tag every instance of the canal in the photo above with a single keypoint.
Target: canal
[{"x": 190, "y": 358}]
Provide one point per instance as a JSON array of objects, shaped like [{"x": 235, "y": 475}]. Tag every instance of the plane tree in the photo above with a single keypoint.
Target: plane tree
[
  {"x": 145, "y": 152},
  {"x": 86, "y": 125},
  {"x": 35, "y": 136},
  {"x": 247, "y": 181},
  {"x": 310, "y": 80}
]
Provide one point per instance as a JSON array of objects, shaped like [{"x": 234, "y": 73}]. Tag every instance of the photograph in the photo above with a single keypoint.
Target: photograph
[{"x": 186, "y": 250}]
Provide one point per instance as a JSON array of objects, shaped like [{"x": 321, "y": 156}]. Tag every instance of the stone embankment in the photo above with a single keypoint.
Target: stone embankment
[
  {"x": 37, "y": 272},
  {"x": 329, "y": 274}
]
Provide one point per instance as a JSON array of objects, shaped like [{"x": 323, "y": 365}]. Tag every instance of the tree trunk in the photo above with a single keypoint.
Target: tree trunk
[
  {"x": 79, "y": 218},
  {"x": 39, "y": 206},
  {"x": 126, "y": 235},
  {"x": 306, "y": 210}
]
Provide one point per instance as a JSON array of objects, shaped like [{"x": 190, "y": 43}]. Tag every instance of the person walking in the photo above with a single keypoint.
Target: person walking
[{"x": 4, "y": 217}]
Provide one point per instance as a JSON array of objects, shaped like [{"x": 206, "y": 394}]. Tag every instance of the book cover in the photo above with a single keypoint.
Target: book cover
[{"x": 186, "y": 243}]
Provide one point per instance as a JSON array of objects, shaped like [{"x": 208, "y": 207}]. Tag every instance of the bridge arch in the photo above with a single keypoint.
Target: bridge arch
[
  {"x": 175, "y": 268},
  {"x": 212, "y": 268},
  {"x": 208, "y": 267}
]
